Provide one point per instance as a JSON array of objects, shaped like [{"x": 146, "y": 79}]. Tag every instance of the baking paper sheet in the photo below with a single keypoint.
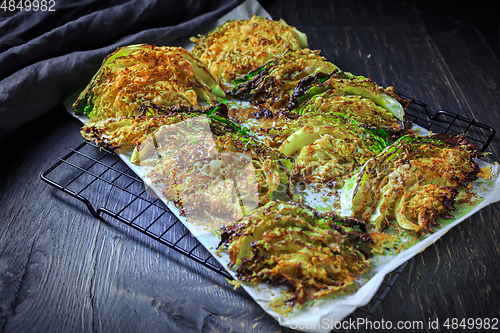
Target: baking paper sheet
[{"x": 320, "y": 315}]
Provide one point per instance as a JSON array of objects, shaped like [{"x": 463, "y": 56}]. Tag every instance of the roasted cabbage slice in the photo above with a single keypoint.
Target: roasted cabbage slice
[
  {"x": 290, "y": 244},
  {"x": 414, "y": 181},
  {"x": 239, "y": 46},
  {"x": 357, "y": 109},
  {"x": 214, "y": 177},
  {"x": 142, "y": 74},
  {"x": 186, "y": 165},
  {"x": 345, "y": 83},
  {"x": 132, "y": 131},
  {"x": 274, "y": 82},
  {"x": 326, "y": 147}
]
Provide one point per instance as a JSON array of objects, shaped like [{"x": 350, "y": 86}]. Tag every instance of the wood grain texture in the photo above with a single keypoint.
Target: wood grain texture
[{"x": 62, "y": 270}]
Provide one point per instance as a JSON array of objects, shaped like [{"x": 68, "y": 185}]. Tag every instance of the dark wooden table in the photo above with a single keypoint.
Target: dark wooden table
[{"x": 62, "y": 270}]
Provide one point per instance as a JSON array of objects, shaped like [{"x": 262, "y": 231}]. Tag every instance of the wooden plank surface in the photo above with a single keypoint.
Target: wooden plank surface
[{"x": 62, "y": 270}]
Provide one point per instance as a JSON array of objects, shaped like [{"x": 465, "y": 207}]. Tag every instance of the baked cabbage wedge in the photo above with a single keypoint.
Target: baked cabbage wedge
[
  {"x": 415, "y": 182},
  {"x": 361, "y": 110},
  {"x": 239, "y": 46},
  {"x": 291, "y": 244},
  {"x": 344, "y": 83},
  {"x": 131, "y": 131},
  {"x": 328, "y": 146},
  {"x": 274, "y": 82},
  {"x": 212, "y": 169},
  {"x": 142, "y": 74}
]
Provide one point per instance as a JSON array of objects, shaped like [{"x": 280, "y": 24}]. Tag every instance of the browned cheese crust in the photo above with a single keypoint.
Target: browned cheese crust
[{"x": 239, "y": 46}]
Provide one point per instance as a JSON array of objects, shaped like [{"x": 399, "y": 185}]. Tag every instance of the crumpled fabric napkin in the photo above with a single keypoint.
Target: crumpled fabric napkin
[{"x": 46, "y": 56}]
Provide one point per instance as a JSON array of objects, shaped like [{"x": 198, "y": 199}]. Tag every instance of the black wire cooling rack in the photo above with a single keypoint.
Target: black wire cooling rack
[
  {"x": 449, "y": 122},
  {"x": 99, "y": 178}
]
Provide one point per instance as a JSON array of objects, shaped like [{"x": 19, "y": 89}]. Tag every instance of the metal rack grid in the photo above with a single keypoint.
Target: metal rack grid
[
  {"x": 99, "y": 178},
  {"x": 448, "y": 122}
]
